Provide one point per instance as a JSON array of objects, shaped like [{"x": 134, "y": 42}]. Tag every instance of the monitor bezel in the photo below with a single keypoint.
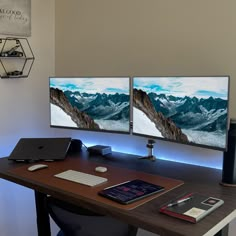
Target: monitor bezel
[
  {"x": 179, "y": 142},
  {"x": 87, "y": 129}
]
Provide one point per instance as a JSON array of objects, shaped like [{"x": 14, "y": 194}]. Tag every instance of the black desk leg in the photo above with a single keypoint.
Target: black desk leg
[
  {"x": 223, "y": 232},
  {"x": 43, "y": 220},
  {"x": 132, "y": 230}
]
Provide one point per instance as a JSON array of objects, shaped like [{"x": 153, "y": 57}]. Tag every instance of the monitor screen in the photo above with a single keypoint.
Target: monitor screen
[
  {"x": 189, "y": 110},
  {"x": 90, "y": 103}
]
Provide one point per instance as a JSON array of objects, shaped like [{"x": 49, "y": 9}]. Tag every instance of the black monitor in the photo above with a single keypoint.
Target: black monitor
[
  {"x": 189, "y": 110},
  {"x": 90, "y": 103}
]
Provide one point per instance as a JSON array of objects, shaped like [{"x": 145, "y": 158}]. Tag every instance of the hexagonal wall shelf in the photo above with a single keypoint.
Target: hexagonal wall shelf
[{"x": 16, "y": 58}]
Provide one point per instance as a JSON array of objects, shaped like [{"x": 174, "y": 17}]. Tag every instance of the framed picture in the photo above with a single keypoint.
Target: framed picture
[{"x": 15, "y": 17}]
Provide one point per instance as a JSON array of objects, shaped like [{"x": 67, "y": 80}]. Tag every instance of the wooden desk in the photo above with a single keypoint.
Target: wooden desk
[{"x": 146, "y": 216}]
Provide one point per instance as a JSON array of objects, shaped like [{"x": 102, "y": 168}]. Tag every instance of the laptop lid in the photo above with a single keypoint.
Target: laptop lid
[{"x": 40, "y": 149}]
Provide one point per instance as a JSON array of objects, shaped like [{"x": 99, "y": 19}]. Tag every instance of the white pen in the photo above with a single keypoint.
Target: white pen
[{"x": 179, "y": 201}]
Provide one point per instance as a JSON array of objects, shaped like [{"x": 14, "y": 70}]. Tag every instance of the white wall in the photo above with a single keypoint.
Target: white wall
[
  {"x": 24, "y": 112},
  {"x": 24, "y": 101}
]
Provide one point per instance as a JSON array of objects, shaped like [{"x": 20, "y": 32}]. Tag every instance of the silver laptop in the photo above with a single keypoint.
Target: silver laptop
[{"x": 34, "y": 149}]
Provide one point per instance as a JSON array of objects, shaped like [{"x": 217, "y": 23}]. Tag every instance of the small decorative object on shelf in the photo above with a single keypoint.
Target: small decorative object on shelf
[{"x": 16, "y": 58}]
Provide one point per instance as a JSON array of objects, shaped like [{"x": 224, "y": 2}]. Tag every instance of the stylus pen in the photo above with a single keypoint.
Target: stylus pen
[{"x": 179, "y": 201}]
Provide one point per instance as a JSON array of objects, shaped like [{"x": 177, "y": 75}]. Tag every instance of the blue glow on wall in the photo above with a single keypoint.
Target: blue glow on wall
[
  {"x": 132, "y": 145},
  {"x": 162, "y": 150}
]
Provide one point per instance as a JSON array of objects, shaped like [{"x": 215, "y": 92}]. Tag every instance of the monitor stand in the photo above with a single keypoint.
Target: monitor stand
[{"x": 150, "y": 155}]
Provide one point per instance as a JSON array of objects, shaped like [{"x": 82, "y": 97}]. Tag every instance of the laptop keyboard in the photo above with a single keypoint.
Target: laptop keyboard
[{"x": 81, "y": 178}]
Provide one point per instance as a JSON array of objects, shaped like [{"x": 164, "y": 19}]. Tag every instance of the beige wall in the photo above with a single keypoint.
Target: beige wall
[{"x": 151, "y": 37}]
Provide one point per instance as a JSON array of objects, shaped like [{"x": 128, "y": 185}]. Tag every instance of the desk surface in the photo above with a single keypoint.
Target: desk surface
[
  {"x": 115, "y": 175},
  {"x": 147, "y": 216}
]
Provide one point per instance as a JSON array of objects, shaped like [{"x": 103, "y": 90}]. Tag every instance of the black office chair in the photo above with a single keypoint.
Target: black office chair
[{"x": 77, "y": 221}]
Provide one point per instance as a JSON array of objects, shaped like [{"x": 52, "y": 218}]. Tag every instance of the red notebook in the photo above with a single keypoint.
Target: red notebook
[{"x": 191, "y": 207}]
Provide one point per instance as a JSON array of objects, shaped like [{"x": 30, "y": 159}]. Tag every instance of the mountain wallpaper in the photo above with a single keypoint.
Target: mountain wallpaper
[
  {"x": 91, "y": 103},
  {"x": 183, "y": 109}
]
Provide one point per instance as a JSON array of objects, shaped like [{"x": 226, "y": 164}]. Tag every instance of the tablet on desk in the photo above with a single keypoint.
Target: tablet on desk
[{"x": 130, "y": 191}]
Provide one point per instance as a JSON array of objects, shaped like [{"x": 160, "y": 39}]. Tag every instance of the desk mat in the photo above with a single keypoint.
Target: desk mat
[{"x": 115, "y": 175}]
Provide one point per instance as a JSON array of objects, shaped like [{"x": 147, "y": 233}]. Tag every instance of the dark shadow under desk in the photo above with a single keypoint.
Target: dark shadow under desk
[{"x": 146, "y": 216}]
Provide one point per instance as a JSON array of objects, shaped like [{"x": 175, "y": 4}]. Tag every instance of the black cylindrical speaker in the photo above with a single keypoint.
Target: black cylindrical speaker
[{"x": 229, "y": 157}]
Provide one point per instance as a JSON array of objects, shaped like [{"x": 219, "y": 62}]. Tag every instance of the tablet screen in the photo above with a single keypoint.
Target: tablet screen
[{"x": 130, "y": 191}]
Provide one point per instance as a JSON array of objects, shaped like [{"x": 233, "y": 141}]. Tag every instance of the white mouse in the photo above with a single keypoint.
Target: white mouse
[
  {"x": 101, "y": 169},
  {"x": 37, "y": 167}
]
